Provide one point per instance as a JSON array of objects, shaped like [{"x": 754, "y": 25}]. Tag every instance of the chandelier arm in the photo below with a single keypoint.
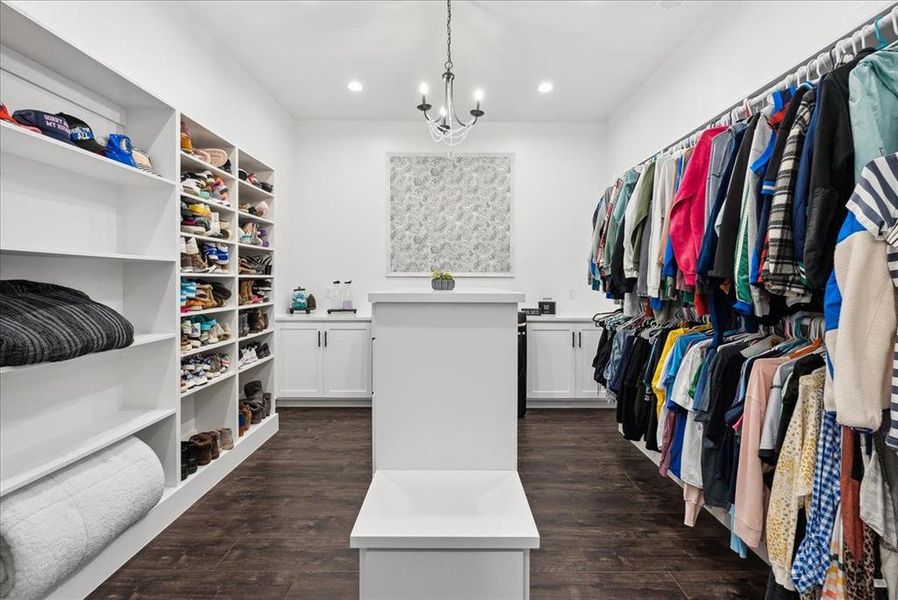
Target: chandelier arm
[{"x": 462, "y": 123}]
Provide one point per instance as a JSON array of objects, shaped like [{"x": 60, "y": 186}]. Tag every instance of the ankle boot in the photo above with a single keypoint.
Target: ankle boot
[
  {"x": 188, "y": 456},
  {"x": 256, "y": 411},
  {"x": 252, "y": 388},
  {"x": 266, "y": 403},
  {"x": 215, "y": 449},
  {"x": 226, "y": 438},
  {"x": 203, "y": 442}
]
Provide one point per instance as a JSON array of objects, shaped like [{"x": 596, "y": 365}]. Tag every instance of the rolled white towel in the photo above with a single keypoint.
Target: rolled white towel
[{"x": 53, "y": 526}]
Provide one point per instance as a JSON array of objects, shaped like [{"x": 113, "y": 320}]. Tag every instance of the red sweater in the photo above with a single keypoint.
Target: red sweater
[{"x": 687, "y": 214}]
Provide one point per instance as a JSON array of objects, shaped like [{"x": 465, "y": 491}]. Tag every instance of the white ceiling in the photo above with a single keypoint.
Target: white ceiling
[{"x": 595, "y": 53}]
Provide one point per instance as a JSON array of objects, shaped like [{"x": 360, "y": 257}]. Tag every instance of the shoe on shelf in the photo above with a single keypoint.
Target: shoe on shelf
[
  {"x": 262, "y": 209},
  {"x": 226, "y": 438},
  {"x": 266, "y": 403},
  {"x": 253, "y": 390},
  {"x": 186, "y": 142},
  {"x": 216, "y": 451},
  {"x": 256, "y": 411},
  {"x": 188, "y": 457},
  {"x": 203, "y": 443}
]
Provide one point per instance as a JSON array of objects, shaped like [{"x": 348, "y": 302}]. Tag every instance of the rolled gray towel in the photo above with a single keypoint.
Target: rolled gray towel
[{"x": 50, "y": 528}]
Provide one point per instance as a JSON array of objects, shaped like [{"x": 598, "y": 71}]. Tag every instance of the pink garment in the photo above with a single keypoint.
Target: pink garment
[
  {"x": 687, "y": 214},
  {"x": 694, "y": 499},
  {"x": 670, "y": 422},
  {"x": 751, "y": 493}
]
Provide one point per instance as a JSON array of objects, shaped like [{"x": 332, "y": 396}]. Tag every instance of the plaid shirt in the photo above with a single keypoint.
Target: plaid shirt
[
  {"x": 875, "y": 205},
  {"x": 782, "y": 273},
  {"x": 812, "y": 558}
]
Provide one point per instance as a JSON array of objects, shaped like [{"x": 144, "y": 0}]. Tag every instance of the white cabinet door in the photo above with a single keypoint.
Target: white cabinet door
[
  {"x": 587, "y": 340},
  {"x": 347, "y": 360},
  {"x": 550, "y": 360},
  {"x": 300, "y": 368}
]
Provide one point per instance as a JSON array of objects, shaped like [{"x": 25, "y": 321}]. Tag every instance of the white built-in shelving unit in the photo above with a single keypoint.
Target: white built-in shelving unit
[
  {"x": 215, "y": 403},
  {"x": 74, "y": 218}
]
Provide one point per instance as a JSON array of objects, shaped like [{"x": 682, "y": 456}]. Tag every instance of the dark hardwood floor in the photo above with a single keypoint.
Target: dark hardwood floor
[{"x": 278, "y": 526}]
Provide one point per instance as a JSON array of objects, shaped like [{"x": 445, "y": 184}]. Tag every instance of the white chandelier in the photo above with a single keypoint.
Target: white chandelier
[{"x": 448, "y": 128}]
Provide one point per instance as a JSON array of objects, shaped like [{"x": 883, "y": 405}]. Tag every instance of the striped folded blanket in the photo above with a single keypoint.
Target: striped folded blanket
[{"x": 43, "y": 322}]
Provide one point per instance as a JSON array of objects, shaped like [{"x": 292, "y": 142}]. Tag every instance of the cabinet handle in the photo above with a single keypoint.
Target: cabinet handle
[
  {"x": 573, "y": 339},
  {"x": 319, "y": 338},
  {"x": 579, "y": 339},
  {"x": 325, "y": 338}
]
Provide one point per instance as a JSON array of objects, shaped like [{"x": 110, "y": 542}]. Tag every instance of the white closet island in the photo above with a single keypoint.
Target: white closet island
[{"x": 446, "y": 515}]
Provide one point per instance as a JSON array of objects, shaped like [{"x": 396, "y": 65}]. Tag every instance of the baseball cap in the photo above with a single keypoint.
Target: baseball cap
[
  {"x": 82, "y": 135},
  {"x": 50, "y": 125},
  {"x": 119, "y": 147},
  {"x": 5, "y": 116}
]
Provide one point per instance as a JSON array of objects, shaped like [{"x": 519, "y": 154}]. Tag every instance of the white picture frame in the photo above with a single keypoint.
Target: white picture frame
[{"x": 474, "y": 228}]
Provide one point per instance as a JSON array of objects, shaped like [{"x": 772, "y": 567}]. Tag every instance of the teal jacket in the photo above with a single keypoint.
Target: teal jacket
[{"x": 873, "y": 105}]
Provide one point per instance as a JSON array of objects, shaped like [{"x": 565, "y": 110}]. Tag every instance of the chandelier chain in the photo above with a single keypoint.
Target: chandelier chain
[{"x": 448, "y": 64}]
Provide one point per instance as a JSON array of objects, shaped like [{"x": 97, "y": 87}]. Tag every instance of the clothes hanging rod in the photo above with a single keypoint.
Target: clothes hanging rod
[{"x": 820, "y": 62}]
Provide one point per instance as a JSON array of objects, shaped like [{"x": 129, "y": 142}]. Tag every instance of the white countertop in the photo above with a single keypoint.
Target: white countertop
[
  {"x": 463, "y": 296},
  {"x": 445, "y": 509},
  {"x": 321, "y": 316},
  {"x": 559, "y": 318}
]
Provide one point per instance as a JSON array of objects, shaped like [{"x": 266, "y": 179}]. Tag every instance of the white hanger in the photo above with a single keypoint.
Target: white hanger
[{"x": 895, "y": 20}]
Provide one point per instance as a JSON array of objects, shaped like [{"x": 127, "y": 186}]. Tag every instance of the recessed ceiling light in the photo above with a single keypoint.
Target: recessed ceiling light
[
  {"x": 545, "y": 87},
  {"x": 354, "y": 86}
]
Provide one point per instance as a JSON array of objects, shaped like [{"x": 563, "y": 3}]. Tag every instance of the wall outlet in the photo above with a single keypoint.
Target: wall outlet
[{"x": 570, "y": 293}]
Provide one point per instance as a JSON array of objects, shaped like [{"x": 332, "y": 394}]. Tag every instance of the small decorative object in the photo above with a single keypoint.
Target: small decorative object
[
  {"x": 547, "y": 306},
  {"x": 299, "y": 301},
  {"x": 442, "y": 281}
]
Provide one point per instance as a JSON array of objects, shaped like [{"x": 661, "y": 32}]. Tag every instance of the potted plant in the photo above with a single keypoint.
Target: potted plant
[{"x": 442, "y": 281}]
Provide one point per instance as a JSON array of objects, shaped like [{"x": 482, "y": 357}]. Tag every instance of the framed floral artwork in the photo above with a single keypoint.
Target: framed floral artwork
[{"x": 450, "y": 214}]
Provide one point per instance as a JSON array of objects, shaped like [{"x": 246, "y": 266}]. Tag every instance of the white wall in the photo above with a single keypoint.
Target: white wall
[
  {"x": 339, "y": 221},
  {"x": 736, "y": 51},
  {"x": 162, "y": 48}
]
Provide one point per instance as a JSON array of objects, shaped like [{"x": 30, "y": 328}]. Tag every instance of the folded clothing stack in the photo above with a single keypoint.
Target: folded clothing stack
[
  {"x": 52, "y": 527},
  {"x": 43, "y": 322}
]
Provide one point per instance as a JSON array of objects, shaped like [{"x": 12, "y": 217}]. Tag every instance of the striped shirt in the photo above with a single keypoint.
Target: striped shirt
[
  {"x": 874, "y": 204},
  {"x": 781, "y": 273}
]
